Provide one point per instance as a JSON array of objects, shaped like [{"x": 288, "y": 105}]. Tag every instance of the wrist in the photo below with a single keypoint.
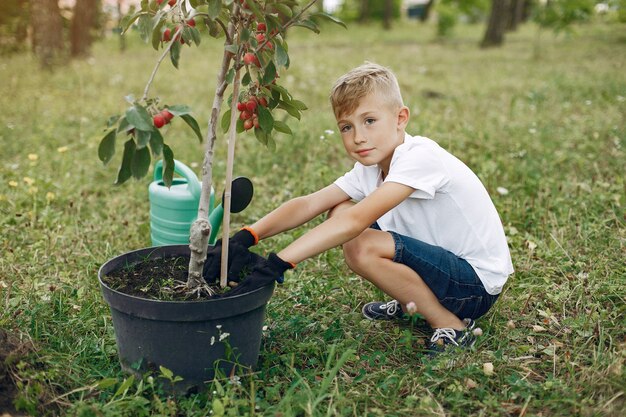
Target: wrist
[
  {"x": 246, "y": 237},
  {"x": 279, "y": 262}
]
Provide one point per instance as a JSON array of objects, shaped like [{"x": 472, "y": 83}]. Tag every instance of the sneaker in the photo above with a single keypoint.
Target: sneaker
[
  {"x": 445, "y": 337},
  {"x": 383, "y": 311}
]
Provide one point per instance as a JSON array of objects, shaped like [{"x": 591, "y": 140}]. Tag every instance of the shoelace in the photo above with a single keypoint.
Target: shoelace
[
  {"x": 391, "y": 307},
  {"x": 446, "y": 333}
]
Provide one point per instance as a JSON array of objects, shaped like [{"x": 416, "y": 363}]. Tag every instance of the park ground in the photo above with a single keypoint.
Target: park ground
[{"x": 540, "y": 120}]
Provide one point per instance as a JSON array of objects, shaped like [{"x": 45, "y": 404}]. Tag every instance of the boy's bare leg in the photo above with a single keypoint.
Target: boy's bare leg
[{"x": 371, "y": 256}]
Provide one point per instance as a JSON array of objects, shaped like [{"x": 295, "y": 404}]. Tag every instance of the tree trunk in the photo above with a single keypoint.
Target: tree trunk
[
  {"x": 364, "y": 11},
  {"x": 427, "y": 9},
  {"x": 83, "y": 23},
  {"x": 516, "y": 14},
  {"x": 388, "y": 14},
  {"x": 47, "y": 31},
  {"x": 494, "y": 35}
]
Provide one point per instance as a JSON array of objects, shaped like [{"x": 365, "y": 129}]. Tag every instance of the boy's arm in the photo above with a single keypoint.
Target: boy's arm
[
  {"x": 298, "y": 211},
  {"x": 347, "y": 224}
]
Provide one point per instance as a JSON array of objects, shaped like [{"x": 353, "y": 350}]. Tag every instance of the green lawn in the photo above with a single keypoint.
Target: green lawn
[{"x": 543, "y": 126}]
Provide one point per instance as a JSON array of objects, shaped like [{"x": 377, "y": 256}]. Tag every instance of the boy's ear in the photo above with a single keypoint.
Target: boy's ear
[{"x": 403, "y": 117}]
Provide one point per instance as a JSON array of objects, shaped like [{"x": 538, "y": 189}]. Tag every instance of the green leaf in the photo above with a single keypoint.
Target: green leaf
[
  {"x": 260, "y": 135},
  {"x": 179, "y": 109},
  {"x": 255, "y": 9},
  {"x": 143, "y": 138},
  {"x": 269, "y": 73},
  {"x": 239, "y": 126},
  {"x": 145, "y": 27},
  {"x": 282, "y": 127},
  {"x": 309, "y": 24},
  {"x": 168, "y": 166},
  {"x": 138, "y": 116},
  {"x": 281, "y": 56},
  {"x": 289, "y": 109},
  {"x": 156, "y": 142},
  {"x": 125, "y": 172},
  {"x": 128, "y": 382},
  {"x": 106, "y": 383},
  {"x": 111, "y": 121},
  {"x": 195, "y": 35},
  {"x": 128, "y": 20},
  {"x": 266, "y": 121},
  {"x": 231, "y": 48},
  {"x": 215, "y": 7},
  {"x": 226, "y": 120},
  {"x": 166, "y": 372},
  {"x": 298, "y": 104},
  {"x": 175, "y": 53},
  {"x": 283, "y": 9},
  {"x": 230, "y": 76},
  {"x": 123, "y": 126},
  {"x": 246, "y": 79},
  {"x": 157, "y": 35},
  {"x": 193, "y": 125},
  {"x": 106, "y": 150},
  {"x": 141, "y": 162},
  {"x": 330, "y": 18}
]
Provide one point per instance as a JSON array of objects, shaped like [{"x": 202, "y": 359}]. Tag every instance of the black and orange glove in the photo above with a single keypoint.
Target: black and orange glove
[
  {"x": 265, "y": 272},
  {"x": 239, "y": 256}
]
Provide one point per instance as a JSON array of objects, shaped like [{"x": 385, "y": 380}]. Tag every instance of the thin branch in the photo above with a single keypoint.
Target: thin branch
[{"x": 158, "y": 64}]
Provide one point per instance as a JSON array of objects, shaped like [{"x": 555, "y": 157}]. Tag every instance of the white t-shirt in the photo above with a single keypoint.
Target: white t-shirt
[{"x": 449, "y": 208}]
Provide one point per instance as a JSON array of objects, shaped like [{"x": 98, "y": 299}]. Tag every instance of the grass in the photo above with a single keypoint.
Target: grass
[{"x": 543, "y": 128}]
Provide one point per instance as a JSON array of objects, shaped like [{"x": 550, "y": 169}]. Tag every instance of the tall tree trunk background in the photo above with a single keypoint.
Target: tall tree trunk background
[
  {"x": 498, "y": 19},
  {"x": 47, "y": 31},
  {"x": 83, "y": 23},
  {"x": 427, "y": 9},
  {"x": 364, "y": 11},
  {"x": 388, "y": 14},
  {"x": 516, "y": 14}
]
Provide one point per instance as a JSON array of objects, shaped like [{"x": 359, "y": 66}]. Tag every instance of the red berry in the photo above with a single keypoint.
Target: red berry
[
  {"x": 167, "y": 35},
  {"x": 191, "y": 23},
  {"x": 255, "y": 122},
  {"x": 263, "y": 101},
  {"x": 261, "y": 27},
  {"x": 251, "y": 105},
  {"x": 241, "y": 106},
  {"x": 159, "y": 2},
  {"x": 159, "y": 121},
  {"x": 248, "y": 124},
  {"x": 245, "y": 115},
  {"x": 171, "y": 3},
  {"x": 260, "y": 37},
  {"x": 249, "y": 58},
  {"x": 167, "y": 115}
]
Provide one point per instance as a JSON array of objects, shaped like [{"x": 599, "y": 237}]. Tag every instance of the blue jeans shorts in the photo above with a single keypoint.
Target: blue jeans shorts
[{"x": 452, "y": 279}]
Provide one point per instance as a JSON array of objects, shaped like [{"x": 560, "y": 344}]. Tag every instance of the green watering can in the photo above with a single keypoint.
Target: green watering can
[{"x": 174, "y": 209}]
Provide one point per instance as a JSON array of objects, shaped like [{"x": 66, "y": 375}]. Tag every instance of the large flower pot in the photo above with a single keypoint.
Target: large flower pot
[{"x": 190, "y": 338}]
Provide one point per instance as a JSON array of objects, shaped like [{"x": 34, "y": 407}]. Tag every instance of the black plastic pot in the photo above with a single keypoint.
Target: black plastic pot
[{"x": 190, "y": 338}]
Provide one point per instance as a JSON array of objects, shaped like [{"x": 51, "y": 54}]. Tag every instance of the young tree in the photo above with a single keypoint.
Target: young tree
[
  {"x": 255, "y": 50},
  {"x": 47, "y": 31}
]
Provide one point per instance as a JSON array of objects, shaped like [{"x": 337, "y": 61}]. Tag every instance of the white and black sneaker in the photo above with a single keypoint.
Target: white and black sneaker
[
  {"x": 443, "y": 338},
  {"x": 383, "y": 311}
]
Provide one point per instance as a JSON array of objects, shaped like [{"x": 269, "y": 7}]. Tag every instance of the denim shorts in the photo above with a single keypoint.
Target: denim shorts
[{"x": 452, "y": 279}]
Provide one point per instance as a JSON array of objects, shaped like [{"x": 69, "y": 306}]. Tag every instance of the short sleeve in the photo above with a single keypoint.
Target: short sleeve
[
  {"x": 350, "y": 184},
  {"x": 418, "y": 167}
]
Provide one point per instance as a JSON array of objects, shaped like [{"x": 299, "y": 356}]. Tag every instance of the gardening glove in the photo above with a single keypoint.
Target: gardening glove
[
  {"x": 265, "y": 272},
  {"x": 239, "y": 257}
]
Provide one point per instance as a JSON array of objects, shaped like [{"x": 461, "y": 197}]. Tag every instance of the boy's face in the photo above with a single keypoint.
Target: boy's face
[{"x": 372, "y": 132}]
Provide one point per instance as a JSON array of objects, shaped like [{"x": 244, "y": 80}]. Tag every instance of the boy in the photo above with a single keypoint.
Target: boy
[{"x": 411, "y": 218}]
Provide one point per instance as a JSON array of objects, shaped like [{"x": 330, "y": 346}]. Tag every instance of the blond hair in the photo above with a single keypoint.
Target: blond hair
[{"x": 359, "y": 82}]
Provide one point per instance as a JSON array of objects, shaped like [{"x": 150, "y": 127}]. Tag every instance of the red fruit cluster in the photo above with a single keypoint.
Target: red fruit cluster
[
  {"x": 170, "y": 2},
  {"x": 162, "y": 118},
  {"x": 167, "y": 33},
  {"x": 249, "y": 111}
]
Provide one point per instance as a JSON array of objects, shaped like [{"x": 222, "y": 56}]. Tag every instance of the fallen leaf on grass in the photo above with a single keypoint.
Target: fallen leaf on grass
[
  {"x": 488, "y": 368},
  {"x": 538, "y": 329},
  {"x": 470, "y": 383}
]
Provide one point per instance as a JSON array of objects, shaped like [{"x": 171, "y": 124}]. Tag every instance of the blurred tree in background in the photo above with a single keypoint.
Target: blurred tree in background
[
  {"x": 364, "y": 11},
  {"x": 47, "y": 26},
  {"x": 84, "y": 23},
  {"x": 14, "y": 20}
]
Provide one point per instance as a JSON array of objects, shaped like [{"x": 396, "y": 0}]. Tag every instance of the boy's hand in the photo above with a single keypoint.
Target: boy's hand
[
  {"x": 266, "y": 271},
  {"x": 239, "y": 257}
]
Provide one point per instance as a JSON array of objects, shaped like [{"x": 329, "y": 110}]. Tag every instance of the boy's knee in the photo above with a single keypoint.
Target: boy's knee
[{"x": 357, "y": 251}]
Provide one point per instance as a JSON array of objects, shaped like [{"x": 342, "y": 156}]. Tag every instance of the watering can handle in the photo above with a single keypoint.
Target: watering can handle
[{"x": 193, "y": 185}]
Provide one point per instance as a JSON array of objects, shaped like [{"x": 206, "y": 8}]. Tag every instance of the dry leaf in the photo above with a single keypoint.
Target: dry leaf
[
  {"x": 510, "y": 324},
  {"x": 488, "y": 368},
  {"x": 470, "y": 383},
  {"x": 538, "y": 329}
]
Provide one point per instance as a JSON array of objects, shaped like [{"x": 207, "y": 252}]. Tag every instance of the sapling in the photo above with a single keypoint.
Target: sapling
[{"x": 254, "y": 52}]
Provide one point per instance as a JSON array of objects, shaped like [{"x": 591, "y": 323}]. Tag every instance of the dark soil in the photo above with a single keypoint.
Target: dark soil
[
  {"x": 11, "y": 351},
  {"x": 158, "y": 279}
]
